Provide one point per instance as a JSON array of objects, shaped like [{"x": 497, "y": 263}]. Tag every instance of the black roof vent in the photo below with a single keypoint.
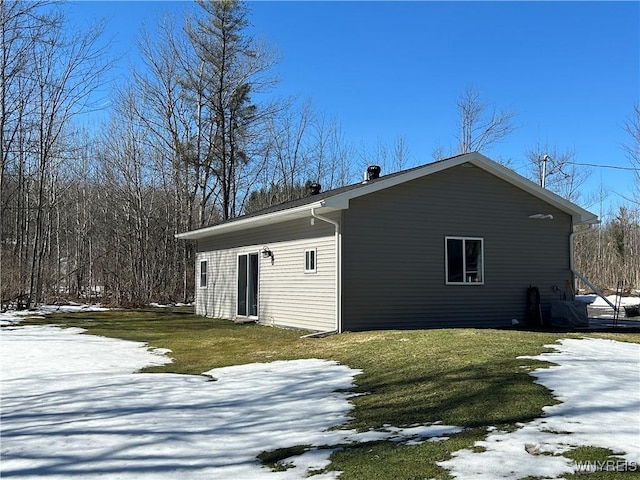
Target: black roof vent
[
  {"x": 314, "y": 188},
  {"x": 373, "y": 172}
]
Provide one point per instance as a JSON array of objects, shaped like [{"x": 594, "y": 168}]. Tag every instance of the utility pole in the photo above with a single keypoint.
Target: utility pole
[{"x": 544, "y": 171}]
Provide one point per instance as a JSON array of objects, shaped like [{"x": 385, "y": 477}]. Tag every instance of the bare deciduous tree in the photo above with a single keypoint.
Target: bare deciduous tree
[
  {"x": 482, "y": 124},
  {"x": 556, "y": 170},
  {"x": 303, "y": 148},
  {"x": 172, "y": 118},
  {"x": 289, "y": 151},
  {"x": 391, "y": 158},
  {"x": 49, "y": 73},
  {"x": 612, "y": 253},
  {"x": 330, "y": 154},
  {"x": 22, "y": 26},
  {"x": 632, "y": 148}
]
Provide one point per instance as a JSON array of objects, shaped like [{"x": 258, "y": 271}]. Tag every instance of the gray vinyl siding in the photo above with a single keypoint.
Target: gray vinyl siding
[
  {"x": 287, "y": 296},
  {"x": 394, "y": 260}
]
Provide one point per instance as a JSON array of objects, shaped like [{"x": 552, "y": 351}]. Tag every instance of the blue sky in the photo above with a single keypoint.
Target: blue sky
[{"x": 570, "y": 69}]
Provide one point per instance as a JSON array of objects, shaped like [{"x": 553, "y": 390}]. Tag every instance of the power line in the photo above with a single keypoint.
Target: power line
[{"x": 605, "y": 166}]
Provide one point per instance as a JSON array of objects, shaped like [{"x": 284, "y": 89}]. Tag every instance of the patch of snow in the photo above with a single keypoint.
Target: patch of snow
[
  {"x": 598, "y": 383},
  {"x": 314, "y": 460},
  {"x": 597, "y": 301},
  {"x": 589, "y": 299},
  {"x": 72, "y": 407},
  {"x": 162, "y": 305},
  {"x": 12, "y": 317}
]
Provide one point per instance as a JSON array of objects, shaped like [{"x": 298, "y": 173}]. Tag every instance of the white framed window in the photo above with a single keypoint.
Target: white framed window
[
  {"x": 464, "y": 260},
  {"x": 203, "y": 274},
  {"x": 310, "y": 260}
]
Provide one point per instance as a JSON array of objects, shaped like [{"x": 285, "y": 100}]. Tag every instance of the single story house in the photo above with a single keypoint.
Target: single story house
[{"x": 454, "y": 243}]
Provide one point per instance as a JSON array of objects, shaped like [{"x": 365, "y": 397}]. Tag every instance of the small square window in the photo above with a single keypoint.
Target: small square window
[
  {"x": 310, "y": 261},
  {"x": 464, "y": 263},
  {"x": 203, "y": 274}
]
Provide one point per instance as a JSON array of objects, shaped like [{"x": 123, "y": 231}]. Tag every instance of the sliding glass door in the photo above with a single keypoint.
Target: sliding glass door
[{"x": 248, "y": 285}]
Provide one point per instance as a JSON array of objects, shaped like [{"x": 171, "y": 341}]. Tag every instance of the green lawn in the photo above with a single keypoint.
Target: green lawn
[{"x": 465, "y": 377}]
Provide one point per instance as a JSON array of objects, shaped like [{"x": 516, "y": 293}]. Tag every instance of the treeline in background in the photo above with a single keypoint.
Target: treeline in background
[{"x": 193, "y": 137}]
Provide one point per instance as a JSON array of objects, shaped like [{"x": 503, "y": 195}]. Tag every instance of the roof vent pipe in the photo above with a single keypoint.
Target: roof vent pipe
[
  {"x": 373, "y": 172},
  {"x": 314, "y": 188}
]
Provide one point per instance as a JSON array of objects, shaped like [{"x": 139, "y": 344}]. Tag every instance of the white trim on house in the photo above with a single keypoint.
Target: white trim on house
[
  {"x": 206, "y": 274},
  {"x": 251, "y": 222},
  {"x": 248, "y": 254},
  {"x": 311, "y": 260},
  {"x": 465, "y": 271}
]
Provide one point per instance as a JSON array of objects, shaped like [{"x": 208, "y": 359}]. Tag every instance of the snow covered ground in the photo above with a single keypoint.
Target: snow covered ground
[
  {"x": 13, "y": 317},
  {"x": 73, "y": 408},
  {"x": 601, "y": 314},
  {"x": 597, "y": 302},
  {"x": 163, "y": 305},
  {"x": 598, "y": 383}
]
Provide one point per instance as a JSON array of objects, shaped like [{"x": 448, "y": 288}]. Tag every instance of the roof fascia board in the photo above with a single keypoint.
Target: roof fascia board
[{"x": 251, "y": 222}]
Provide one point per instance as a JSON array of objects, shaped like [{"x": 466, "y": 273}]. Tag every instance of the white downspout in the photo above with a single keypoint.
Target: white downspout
[
  {"x": 338, "y": 240},
  {"x": 580, "y": 275}
]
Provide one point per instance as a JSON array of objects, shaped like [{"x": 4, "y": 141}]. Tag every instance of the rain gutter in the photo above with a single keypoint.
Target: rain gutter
[{"x": 338, "y": 283}]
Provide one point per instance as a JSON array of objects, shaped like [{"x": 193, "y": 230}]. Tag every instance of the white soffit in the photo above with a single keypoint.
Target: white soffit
[{"x": 253, "y": 222}]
